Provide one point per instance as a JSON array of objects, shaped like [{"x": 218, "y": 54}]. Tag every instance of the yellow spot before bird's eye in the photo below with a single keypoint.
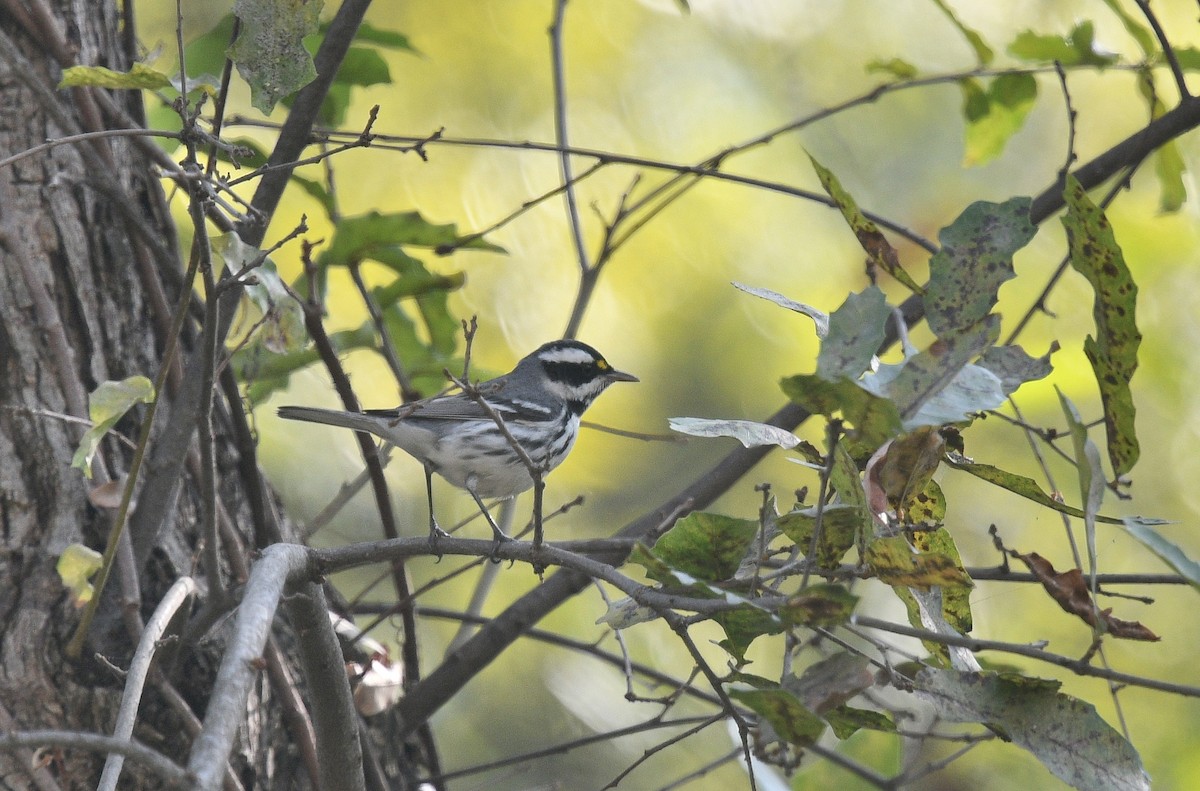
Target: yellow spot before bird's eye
[{"x": 602, "y": 365}]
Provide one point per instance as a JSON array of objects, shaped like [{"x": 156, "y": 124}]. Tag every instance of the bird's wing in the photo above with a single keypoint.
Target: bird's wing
[{"x": 460, "y": 406}]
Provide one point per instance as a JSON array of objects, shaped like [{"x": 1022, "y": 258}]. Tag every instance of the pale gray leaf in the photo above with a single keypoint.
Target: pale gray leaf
[
  {"x": 1064, "y": 733},
  {"x": 819, "y": 317},
  {"x": 748, "y": 432}
]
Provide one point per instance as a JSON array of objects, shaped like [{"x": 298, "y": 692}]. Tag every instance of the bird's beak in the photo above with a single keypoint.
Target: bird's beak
[{"x": 620, "y": 376}]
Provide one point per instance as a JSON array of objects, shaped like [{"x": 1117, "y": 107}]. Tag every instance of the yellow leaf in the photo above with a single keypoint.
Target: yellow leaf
[{"x": 75, "y": 568}]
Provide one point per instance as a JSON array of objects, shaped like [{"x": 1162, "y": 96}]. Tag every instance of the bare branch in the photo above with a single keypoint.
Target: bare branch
[
  {"x": 340, "y": 757},
  {"x": 139, "y": 668},
  {"x": 1033, "y": 652},
  {"x": 558, "y": 73},
  {"x": 242, "y": 660},
  {"x": 156, "y": 762}
]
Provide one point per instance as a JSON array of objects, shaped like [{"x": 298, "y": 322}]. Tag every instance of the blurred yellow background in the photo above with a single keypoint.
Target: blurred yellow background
[{"x": 645, "y": 80}]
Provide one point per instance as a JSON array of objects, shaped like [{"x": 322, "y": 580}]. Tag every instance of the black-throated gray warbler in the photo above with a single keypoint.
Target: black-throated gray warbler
[{"x": 540, "y": 402}]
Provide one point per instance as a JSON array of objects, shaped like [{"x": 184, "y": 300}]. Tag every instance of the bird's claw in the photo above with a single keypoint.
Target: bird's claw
[
  {"x": 436, "y": 534},
  {"x": 498, "y": 540}
]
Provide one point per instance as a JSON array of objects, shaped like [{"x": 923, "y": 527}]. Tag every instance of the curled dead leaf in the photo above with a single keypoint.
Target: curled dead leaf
[
  {"x": 899, "y": 472},
  {"x": 108, "y": 495},
  {"x": 1070, "y": 589}
]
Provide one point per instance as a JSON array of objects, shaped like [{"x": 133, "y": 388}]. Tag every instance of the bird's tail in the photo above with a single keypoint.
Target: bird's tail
[{"x": 331, "y": 417}]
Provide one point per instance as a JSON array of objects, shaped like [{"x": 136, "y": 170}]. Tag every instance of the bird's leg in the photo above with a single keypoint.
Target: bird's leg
[
  {"x": 435, "y": 532},
  {"x": 498, "y": 535}
]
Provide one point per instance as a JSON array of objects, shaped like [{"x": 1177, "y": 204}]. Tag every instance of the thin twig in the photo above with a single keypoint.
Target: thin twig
[
  {"x": 646, "y": 755},
  {"x": 833, "y": 431},
  {"x": 139, "y": 668},
  {"x": 1033, "y": 652},
  {"x": 558, "y": 74},
  {"x": 364, "y": 140},
  {"x": 167, "y": 770},
  {"x": 1168, "y": 50},
  {"x": 609, "y": 157},
  {"x": 75, "y": 647},
  {"x": 82, "y": 137},
  {"x": 408, "y": 392}
]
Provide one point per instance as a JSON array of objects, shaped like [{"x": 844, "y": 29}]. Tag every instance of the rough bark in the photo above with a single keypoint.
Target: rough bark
[{"x": 85, "y": 297}]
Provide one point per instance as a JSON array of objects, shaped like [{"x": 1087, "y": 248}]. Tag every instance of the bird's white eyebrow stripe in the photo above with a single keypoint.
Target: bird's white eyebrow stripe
[{"x": 567, "y": 356}]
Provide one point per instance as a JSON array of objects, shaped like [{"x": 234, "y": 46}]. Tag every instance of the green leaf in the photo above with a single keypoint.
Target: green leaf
[
  {"x": 846, "y": 481},
  {"x": 317, "y": 191},
  {"x": 655, "y": 568},
  {"x": 994, "y": 114},
  {"x": 1169, "y": 552},
  {"x": 426, "y": 361},
  {"x": 1139, "y": 32},
  {"x": 1169, "y": 166},
  {"x": 848, "y": 484},
  {"x": 1091, "y": 474},
  {"x": 1188, "y": 58},
  {"x": 787, "y": 715},
  {"x": 707, "y": 546},
  {"x": 856, "y": 331},
  {"x": 1170, "y": 169},
  {"x": 956, "y": 597},
  {"x": 846, "y": 721},
  {"x": 819, "y": 605},
  {"x": 263, "y": 372},
  {"x": 1095, "y": 253},
  {"x": 840, "y": 527},
  {"x": 269, "y": 312},
  {"x": 832, "y": 681},
  {"x": 373, "y": 234},
  {"x": 424, "y": 330},
  {"x": 415, "y": 279},
  {"x": 742, "y": 626},
  {"x": 107, "y": 404},
  {"x": 1014, "y": 367},
  {"x": 898, "y": 68},
  {"x": 1064, "y": 733},
  {"x": 1075, "y": 49},
  {"x": 926, "y": 507},
  {"x": 269, "y": 51},
  {"x": 139, "y": 77},
  {"x": 369, "y": 34},
  {"x": 879, "y": 250},
  {"x": 425, "y": 364},
  {"x": 895, "y": 562},
  {"x": 975, "y": 259},
  {"x": 431, "y": 293},
  {"x": 1028, "y": 488},
  {"x": 205, "y": 54},
  {"x": 75, "y": 568},
  {"x": 982, "y": 51},
  {"x": 874, "y": 418},
  {"x": 362, "y": 66}
]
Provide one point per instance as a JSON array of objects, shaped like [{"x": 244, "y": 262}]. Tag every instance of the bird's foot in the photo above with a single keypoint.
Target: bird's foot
[
  {"x": 498, "y": 540},
  {"x": 436, "y": 534}
]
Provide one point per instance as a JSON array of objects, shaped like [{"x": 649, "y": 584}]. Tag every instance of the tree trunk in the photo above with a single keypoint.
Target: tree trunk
[{"x": 89, "y": 276}]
